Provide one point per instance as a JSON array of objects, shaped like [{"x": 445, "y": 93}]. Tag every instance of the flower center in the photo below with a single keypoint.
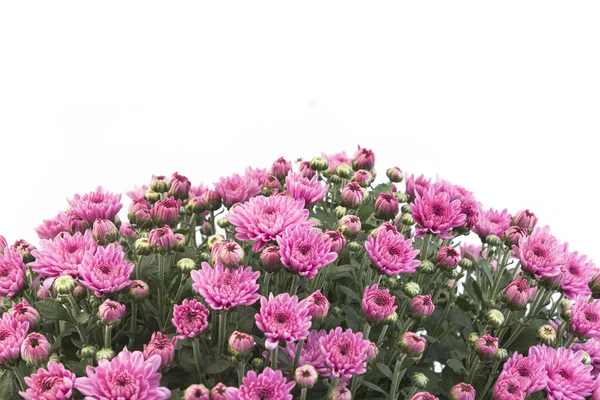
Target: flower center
[
  {"x": 4, "y": 334},
  {"x": 281, "y": 318},
  {"x": 190, "y": 315},
  {"x": 4, "y": 272},
  {"x": 438, "y": 210},
  {"x": 381, "y": 299},
  {"x": 591, "y": 316},
  {"x": 304, "y": 248},
  {"x": 34, "y": 342},
  {"x": 96, "y": 198},
  {"x": 539, "y": 252},
  {"x": 48, "y": 383},
  {"x": 105, "y": 269},
  {"x": 393, "y": 251}
]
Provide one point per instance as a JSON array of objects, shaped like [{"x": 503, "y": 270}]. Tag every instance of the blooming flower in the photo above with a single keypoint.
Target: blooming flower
[
  {"x": 161, "y": 345},
  {"x": 424, "y": 396},
  {"x": 310, "y": 352},
  {"x": 50, "y": 228},
  {"x": 421, "y": 307},
  {"x": 190, "y": 318},
  {"x": 106, "y": 271},
  {"x": 508, "y": 389},
  {"x": 262, "y": 219},
  {"x": 529, "y": 371},
  {"x": 63, "y": 255},
  {"x": 35, "y": 348},
  {"x": 417, "y": 186},
  {"x": 54, "y": 383},
  {"x": 576, "y": 273},
  {"x": 224, "y": 288},
  {"x": 98, "y": 204},
  {"x": 345, "y": 353},
  {"x": 166, "y": 212},
  {"x": 518, "y": 293},
  {"x": 283, "y": 318},
  {"x": 492, "y": 222},
  {"x": 110, "y": 311},
  {"x": 237, "y": 189},
  {"x": 541, "y": 254},
  {"x": 240, "y": 343},
  {"x": 24, "y": 312},
  {"x": 127, "y": 376},
  {"x": 391, "y": 253},
  {"x": 306, "y": 376},
  {"x": 592, "y": 348},
  {"x": 12, "y": 335},
  {"x": 585, "y": 317},
  {"x": 300, "y": 188},
  {"x": 318, "y": 305},
  {"x": 268, "y": 385},
  {"x": 305, "y": 250},
  {"x": 436, "y": 213},
  {"x": 487, "y": 345},
  {"x": 12, "y": 273},
  {"x": 378, "y": 304},
  {"x": 228, "y": 253}
]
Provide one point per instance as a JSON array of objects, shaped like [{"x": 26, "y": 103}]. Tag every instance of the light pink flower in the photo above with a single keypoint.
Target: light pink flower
[
  {"x": 577, "y": 272},
  {"x": 63, "y": 255},
  {"x": 392, "y": 254},
  {"x": 283, "y": 318},
  {"x": 110, "y": 311},
  {"x": 229, "y": 253},
  {"x": 240, "y": 343},
  {"x": 338, "y": 241},
  {"x": 300, "y": 188},
  {"x": 352, "y": 195},
  {"x": 335, "y": 160},
  {"x": 436, "y": 213},
  {"x": 525, "y": 219},
  {"x": 24, "y": 312},
  {"x": 421, "y": 307},
  {"x": 104, "y": 231},
  {"x": 448, "y": 257},
  {"x": 363, "y": 159},
  {"x": 413, "y": 344},
  {"x": 386, "y": 206},
  {"x": 592, "y": 348},
  {"x": 541, "y": 254},
  {"x": 12, "y": 273},
  {"x": 54, "y": 383},
  {"x": 49, "y": 228},
  {"x": 378, "y": 304},
  {"x": 305, "y": 170},
  {"x": 508, "y": 389},
  {"x": 197, "y": 392},
  {"x": 137, "y": 193},
  {"x": 518, "y": 293},
  {"x": 318, "y": 305},
  {"x": 35, "y": 348},
  {"x": 492, "y": 222},
  {"x": 345, "y": 353},
  {"x": 180, "y": 186},
  {"x": 166, "y": 212},
  {"x": 162, "y": 346},
  {"x": 585, "y": 317},
  {"x": 417, "y": 186},
  {"x": 237, "y": 189},
  {"x": 487, "y": 345},
  {"x": 98, "y": 204},
  {"x": 529, "y": 371},
  {"x": 12, "y": 335},
  {"x": 280, "y": 168},
  {"x": 462, "y": 391},
  {"x": 105, "y": 271},
  {"x": 190, "y": 318},
  {"x": 268, "y": 385},
  {"x": 350, "y": 225}
]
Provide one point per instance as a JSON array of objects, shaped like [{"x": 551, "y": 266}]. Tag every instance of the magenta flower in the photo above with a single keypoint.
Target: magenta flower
[
  {"x": 541, "y": 254},
  {"x": 268, "y": 385},
  {"x": 421, "y": 307},
  {"x": 585, "y": 317},
  {"x": 136, "y": 206},
  {"x": 413, "y": 344},
  {"x": 98, "y": 204},
  {"x": 436, "y": 213},
  {"x": 386, "y": 206},
  {"x": 378, "y": 304},
  {"x": 305, "y": 250},
  {"x": 240, "y": 343},
  {"x": 335, "y": 160},
  {"x": 577, "y": 272},
  {"x": 110, "y": 311},
  {"x": 386, "y": 226},
  {"x": 106, "y": 271},
  {"x": 529, "y": 371},
  {"x": 363, "y": 159},
  {"x": 270, "y": 258},
  {"x": 3, "y": 244},
  {"x": 50, "y": 228},
  {"x": 338, "y": 241},
  {"x": 487, "y": 345},
  {"x": 424, "y": 396},
  {"x": 237, "y": 189},
  {"x": 12, "y": 335},
  {"x": 139, "y": 290},
  {"x": 76, "y": 223},
  {"x": 318, "y": 305},
  {"x": 24, "y": 312},
  {"x": 126, "y": 230},
  {"x": 417, "y": 186},
  {"x": 225, "y": 288},
  {"x": 392, "y": 254},
  {"x": 352, "y": 195},
  {"x": 63, "y": 255},
  {"x": 262, "y": 219},
  {"x": 448, "y": 257},
  {"x": 306, "y": 376},
  {"x": 305, "y": 170},
  {"x": 525, "y": 219},
  {"x": 35, "y": 348},
  {"x": 196, "y": 392},
  {"x": 166, "y": 212},
  {"x": 104, "y": 231},
  {"x": 340, "y": 392},
  {"x": 492, "y": 222},
  {"x": 161, "y": 239},
  {"x": 311, "y": 351},
  {"x": 54, "y": 383},
  {"x": 162, "y": 346},
  {"x": 345, "y": 353},
  {"x": 462, "y": 391},
  {"x": 300, "y": 188},
  {"x": 592, "y": 348},
  {"x": 514, "y": 234},
  {"x": 283, "y": 318},
  {"x": 350, "y": 225},
  {"x": 218, "y": 392},
  {"x": 280, "y": 168},
  {"x": 508, "y": 389},
  {"x": 518, "y": 293},
  {"x": 229, "y": 253},
  {"x": 363, "y": 177},
  {"x": 23, "y": 248},
  {"x": 12, "y": 273},
  {"x": 180, "y": 186},
  {"x": 190, "y": 318},
  {"x": 127, "y": 376}
]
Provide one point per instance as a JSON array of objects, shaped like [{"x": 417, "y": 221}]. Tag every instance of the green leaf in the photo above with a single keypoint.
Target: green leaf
[
  {"x": 53, "y": 310},
  {"x": 349, "y": 292},
  {"x": 485, "y": 267},
  {"x": 460, "y": 318},
  {"x": 375, "y": 388},
  {"x": 8, "y": 390},
  {"x": 478, "y": 292},
  {"x": 186, "y": 360},
  {"x": 385, "y": 370},
  {"x": 456, "y": 365},
  {"x": 217, "y": 367},
  {"x": 82, "y": 317},
  {"x": 75, "y": 367},
  {"x": 352, "y": 318}
]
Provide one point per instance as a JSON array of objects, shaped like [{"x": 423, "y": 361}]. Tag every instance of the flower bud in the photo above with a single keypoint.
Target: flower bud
[
  {"x": 463, "y": 391},
  {"x": 270, "y": 259},
  {"x": 186, "y": 265},
  {"x": 465, "y": 263},
  {"x": 473, "y": 337},
  {"x": 565, "y": 309},
  {"x": 402, "y": 198},
  {"x": 386, "y": 206},
  {"x": 448, "y": 258},
  {"x": 419, "y": 380},
  {"x": 196, "y": 392},
  {"x": 513, "y": 235},
  {"x": 392, "y": 282},
  {"x": 142, "y": 247},
  {"x": 495, "y": 318},
  {"x": 372, "y": 351},
  {"x": 586, "y": 360},
  {"x": 363, "y": 159},
  {"x": 318, "y": 164},
  {"x": 89, "y": 351},
  {"x": 92, "y": 301},
  {"x": 166, "y": 212},
  {"x": 501, "y": 355},
  {"x": 35, "y": 348},
  {"x": 350, "y": 225},
  {"x": 257, "y": 363},
  {"x": 343, "y": 171},
  {"x": 525, "y": 219},
  {"x": 214, "y": 239},
  {"x": 363, "y": 178},
  {"x": 24, "y": 312},
  {"x": 224, "y": 223},
  {"x": 407, "y": 219},
  {"x": 340, "y": 392},
  {"x": 270, "y": 185},
  {"x": 212, "y": 199},
  {"x": 196, "y": 205},
  {"x": 306, "y": 376},
  {"x": 218, "y": 392},
  {"x": 338, "y": 241},
  {"x": 178, "y": 243},
  {"x": 151, "y": 196},
  {"x": 143, "y": 219},
  {"x": 486, "y": 346},
  {"x": 280, "y": 168},
  {"x": 64, "y": 284},
  {"x": 105, "y": 354},
  {"x": 205, "y": 257},
  {"x": 391, "y": 319},
  {"x": 546, "y": 334},
  {"x": 206, "y": 228},
  {"x": 493, "y": 240},
  {"x": 180, "y": 187},
  {"x": 335, "y": 179},
  {"x": 318, "y": 305},
  {"x": 411, "y": 289},
  {"x": 412, "y": 344},
  {"x": 139, "y": 290},
  {"x": 337, "y": 311},
  {"x": 355, "y": 246},
  {"x": 160, "y": 183},
  {"x": 394, "y": 174},
  {"x": 240, "y": 343},
  {"x": 406, "y": 209},
  {"x": 305, "y": 170},
  {"x": 352, "y": 196},
  {"x": 426, "y": 267},
  {"x": 339, "y": 212},
  {"x": 518, "y": 293},
  {"x": 594, "y": 286},
  {"x": 421, "y": 307},
  {"x": 110, "y": 312},
  {"x": 161, "y": 240},
  {"x": 104, "y": 231},
  {"x": 24, "y": 249}
]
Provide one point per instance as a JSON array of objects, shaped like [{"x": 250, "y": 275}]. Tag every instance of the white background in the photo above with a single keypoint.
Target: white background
[{"x": 502, "y": 98}]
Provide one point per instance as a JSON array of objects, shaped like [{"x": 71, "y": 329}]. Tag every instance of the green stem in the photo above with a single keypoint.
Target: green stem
[
  {"x": 303, "y": 393},
  {"x": 75, "y": 310},
  {"x": 222, "y": 329},
  {"x": 107, "y": 336},
  {"x": 192, "y": 231},
  {"x": 382, "y": 335},
  {"x": 295, "y": 282},
  {"x": 570, "y": 341},
  {"x": 354, "y": 386},
  {"x": 411, "y": 393},
  {"x": 366, "y": 330},
  {"x": 20, "y": 377},
  {"x": 240, "y": 372},
  {"x": 424, "y": 249},
  {"x": 212, "y": 222},
  {"x": 265, "y": 286},
  {"x": 133, "y": 329},
  {"x": 488, "y": 384},
  {"x": 274, "y": 356},
  {"x": 396, "y": 377},
  {"x": 297, "y": 355},
  {"x": 473, "y": 370},
  {"x": 196, "y": 349},
  {"x": 555, "y": 306}
]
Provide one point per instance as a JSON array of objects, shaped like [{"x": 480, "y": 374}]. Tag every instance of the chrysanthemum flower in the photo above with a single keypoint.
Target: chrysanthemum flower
[
  {"x": 127, "y": 376},
  {"x": 268, "y": 385},
  {"x": 363, "y": 159},
  {"x": 137, "y": 193},
  {"x": 110, "y": 311},
  {"x": 35, "y": 348},
  {"x": 219, "y": 392},
  {"x": 305, "y": 250},
  {"x": 492, "y": 222},
  {"x": 424, "y": 396},
  {"x": 386, "y": 206},
  {"x": 197, "y": 392},
  {"x": 585, "y": 317},
  {"x": 166, "y": 212},
  {"x": 318, "y": 305},
  {"x": 310, "y": 352},
  {"x": 63, "y": 255},
  {"x": 378, "y": 304},
  {"x": 352, "y": 195},
  {"x": 508, "y": 389},
  {"x": 486, "y": 345},
  {"x": 54, "y": 383},
  {"x": 413, "y": 344},
  {"x": 106, "y": 271},
  {"x": 421, "y": 307},
  {"x": 305, "y": 170},
  {"x": 263, "y": 218},
  {"x": 525, "y": 219},
  {"x": 3, "y": 244},
  {"x": 190, "y": 318},
  {"x": 529, "y": 371},
  {"x": 224, "y": 288},
  {"x": 462, "y": 391},
  {"x": 335, "y": 160},
  {"x": 577, "y": 272},
  {"x": 592, "y": 348},
  {"x": 338, "y": 241},
  {"x": 518, "y": 293},
  {"x": 49, "y": 228},
  {"x": 541, "y": 254},
  {"x": 392, "y": 254},
  {"x": 98, "y": 204},
  {"x": 300, "y": 188},
  {"x": 237, "y": 189},
  {"x": 240, "y": 343},
  {"x": 162, "y": 239},
  {"x": 162, "y": 346},
  {"x": 436, "y": 213},
  {"x": 12, "y": 335},
  {"x": 229, "y": 253},
  {"x": 417, "y": 186},
  {"x": 180, "y": 186},
  {"x": 283, "y": 318},
  {"x": 24, "y": 312},
  {"x": 345, "y": 353},
  {"x": 12, "y": 273}
]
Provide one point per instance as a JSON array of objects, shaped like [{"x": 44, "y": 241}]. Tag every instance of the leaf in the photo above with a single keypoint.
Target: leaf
[
  {"x": 82, "y": 317},
  {"x": 339, "y": 271},
  {"x": 8, "y": 390},
  {"x": 485, "y": 267},
  {"x": 50, "y": 309},
  {"x": 460, "y": 318},
  {"x": 75, "y": 367},
  {"x": 186, "y": 360},
  {"x": 349, "y": 292},
  {"x": 352, "y": 318},
  {"x": 456, "y": 365},
  {"x": 385, "y": 370},
  {"x": 375, "y": 388},
  {"x": 217, "y": 367},
  {"x": 478, "y": 292}
]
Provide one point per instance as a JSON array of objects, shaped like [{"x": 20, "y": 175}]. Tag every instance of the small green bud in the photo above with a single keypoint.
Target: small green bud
[
  {"x": 224, "y": 223},
  {"x": 93, "y": 302},
  {"x": 65, "y": 284},
  {"x": 452, "y": 274},
  {"x": 501, "y": 355},
  {"x": 151, "y": 196},
  {"x": 419, "y": 380},
  {"x": 391, "y": 319},
  {"x": 407, "y": 219},
  {"x": 391, "y": 282},
  {"x": 318, "y": 223},
  {"x": 495, "y": 318},
  {"x": 335, "y": 179},
  {"x": 355, "y": 246},
  {"x": 402, "y": 198},
  {"x": 257, "y": 363},
  {"x": 465, "y": 263},
  {"x": 318, "y": 164},
  {"x": 337, "y": 311},
  {"x": 394, "y": 174},
  {"x": 186, "y": 265},
  {"x": 55, "y": 357},
  {"x": 142, "y": 247},
  {"x": 405, "y": 209},
  {"x": 105, "y": 354},
  {"x": 344, "y": 171},
  {"x": 473, "y": 337},
  {"x": 493, "y": 240},
  {"x": 586, "y": 360},
  {"x": 411, "y": 289},
  {"x": 426, "y": 267},
  {"x": 339, "y": 212},
  {"x": 546, "y": 334},
  {"x": 214, "y": 239},
  {"x": 565, "y": 309},
  {"x": 204, "y": 256},
  {"x": 89, "y": 351},
  {"x": 594, "y": 286}
]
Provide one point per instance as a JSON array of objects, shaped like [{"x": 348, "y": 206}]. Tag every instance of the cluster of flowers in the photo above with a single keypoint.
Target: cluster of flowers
[{"x": 311, "y": 281}]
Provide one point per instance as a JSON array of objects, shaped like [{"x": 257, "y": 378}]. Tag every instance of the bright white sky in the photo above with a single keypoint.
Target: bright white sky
[{"x": 502, "y": 98}]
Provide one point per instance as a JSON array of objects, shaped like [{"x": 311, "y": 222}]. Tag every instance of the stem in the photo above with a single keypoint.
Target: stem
[
  {"x": 424, "y": 250},
  {"x": 303, "y": 394},
  {"x": 295, "y": 281},
  {"x": 138, "y": 268},
  {"x": 107, "y": 336},
  {"x": 196, "y": 349},
  {"x": 297, "y": 356},
  {"x": 134, "y": 311},
  {"x": 274, "y": 358},
  {"x": 396, "y": 378},
  {"x": 222, "y": 326},
  {"x": 570, "y": 341},
  {"x": 412, "y": 392},
  {"x": 473, "y": 370},
  {"x": 77, "y": 310},
  {"x": 265, "y": 286},
  {"x": 555, "y": 306},
  {"x": 20, "y": 377},
  {"x": 354, "y": 386},
  {"x": 192, "y": 231},
  {"x": 366, "y": 331},
  {"x": 488, "y": 384},
  {"x": 382, "y": 335},
  {"x": 240, "y": 372},
  {"x": 212, "y": 222}
]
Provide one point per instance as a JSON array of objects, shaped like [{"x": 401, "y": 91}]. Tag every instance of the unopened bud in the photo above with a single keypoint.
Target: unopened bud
[
  {"x": 257, "y": 363},
  {"x": 339, "y": 212},
  {"x": 419, "y": 380},
  {"x": 493, "y": 240},
  {"x": 335, "y": 179},
  {"x": 394, "y": 174},
  {"x": 495, "y": 318},
  {"x": 186, "y": 265},
  {"x": 151, "y": 196},
  {"x": 426, "y": 267},
  {"x": 343, "y": 171},
  {"x": 89, "y": 351},
  {"x": 546, "y": 334},
  {"x": 65, "y": 284},
  {"x": 501, "y": 355},
  {"x": 465, "y": 263},
  {"x": 405, "y": 209},
  {"x": 337, "y": 311},
  {"x": 473, "y": 337},
  {"x": 105, "y": 354},
  {"x": 411, "y": 289},
  {"x": 355, "y": 246},
  {"x": 224, "y": 223},
  {"x": 402, "y": 198},
  {"x": 586, "y": 360},
  {"x": 142, "y": 247},
  {"x": 318, "y": 164},
  {"x": 407, "y": 219}
]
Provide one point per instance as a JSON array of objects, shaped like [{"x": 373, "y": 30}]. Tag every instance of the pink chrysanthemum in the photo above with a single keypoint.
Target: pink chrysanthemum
[
  {"x": 263, "y": 218},
  {"x": 283, "y": 318},
  {"x": 508, "y": 389},
  {"x": 568, "y": 377},
  {"x": 12, "y": 273},
  {"x": 436, "y": 213},
  {"x": 161, "y": 346},
  {"x": 318, "y": 305},
  {"x": 237, "y": 189},
  {"x": 224, "y": 288},
  {"x": 518, "y": 293},
  {"x": 280, "y": 168},
  {"x": 127, "y": 376},
  {"x": 219, "y": 392},
  {"x": 392, "y": 254},
  {"x": 137, "y": 193},
  {"x": 12, "y": 335},
  {"x": 268, "y": 385},
  {"x": 541, "y": 254},
  {"x": 310, "y": 352},
  {"x": 462, "y": 391},
  {"x": 421, "y": 307},
  {"x": 378, "y": 304},
  {"x": 363, "y": 159},
  {"x": 585, "y": 317},
  {"x": 335, "y": 160},
  {"x": 3, "y": 244},
  {"x": 197, "y": 392},
  {"x": 592, "y": 348},
  {"x": 487, "y": 345},
  {"x": 300, "y": 188},
  {"x": 110, "y": 311},
  {"x": 338, "y": 241},
  {"x": 345, "y": 353},
  {"x": 424, "y": 396},
  {"x": 529, "y": 371},
  {"x": 35, "y": 348},
  {"x": 492, "y": 222},
  {"x": 49, "y": 228},
  {"x": 63, "y": 255},
  {"x": 577, "y": 272},
  {"x": 24, "y": 312},
  {"x": 98, "y": 204},
  {"x": 106, "y": 271},
  {"x": 229, "y": 253},
  {"x": 305, "y": 250},
  {"x": 305, "y": 170},
  {"x": 417, "y": 186},
  {"x": 54, "y": 383},
  {"x": 190, "y": 318},
  {"x": 352, "y": 195}
]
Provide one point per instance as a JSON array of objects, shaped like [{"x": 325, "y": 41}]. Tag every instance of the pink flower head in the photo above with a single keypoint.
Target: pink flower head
[
  {"x": 305, "y": 170},
  {"x": 237, "y": 189},
  {"x": 162, "y": 346},
  {"x": 341, "y": 392},
  {"x": 386, "y": 226},
  {"x": 392, "y": 254},
  {"x": 229, "y": 253},
  {"x": 106, "y": 271},
  {"x": 270, "y": 185},
  {"x": 240, "y": 343},
  {"x": 577, "y": 272},
  {"x": 258, "y": 174},
  {"x": 283, "y": 318},
  {"x": 219, "y": 392},
  {"x": 525, "y": 219},
  {"x": 268, "y": 385},
  {"x": 280, "y": 168},
  {"x": 12, "y": 273},
  {"x": 3, "y": 244},
  {"x": 350, "y": 225},
  {"x": 421, "y": 307},
  {"x": 386, "y": 206},
  {"x": 54, "y": 383},
  {"x": 127, "y": 376},
  {"x": 198, "y": 190},
  {"x": 225, "y": 288},
  {"x": 435, "y": 213},
  {"x": 338, "y": 241},
  {"x": 352, "y": 195},
  {"x": 104, "y": 231},
  {"x": 518, "y": 293},
  {"x": 508, "y": 389},
  {"x": 335, "y": 160},
  {"x": 487, "y": 345},
  {"x": 568, "y": 377},
  {"x": 306, "y": 376},
  {"x": 35, "y": 348},
  {"x": 585, "y": 317},
  {"x": 262, "y": 219},
  {"x": 300, "y": 188},
  {"x": 448, "y": 257},
  {"x": 63, "y": 255},
  {"x": 592, "y": 348},
  {"x": 180, "y": 186},
  {"x": 139, "y": 290},
  {"x": 541, "y": 254},
  {"x": 363, "y": 177},
  {"x": 161, "y": 239},
  {"x": 318, "y": 305},
  {"x": 529, "y": 371},
  {"x": 98, "y": 204},
  {"x": 166, "y": 212},
  {"x": 125, "y": 230},
  {"x": 24, "y": 312},
  {"x": 492, "y": 222},
  {"x": 49, "y": 228},
  {"x": 363, "y": 159},
  {"x": 190, "y": 318},
  {"x": 462, "y": 391},
  {"x": 12, "y": 335},
  {"x": 270, "y": 258},
  {"x": 378, "y": 304},
  {"x": 514, "y": 234},
  {"x": 23, "y": 248},
  {"x": 305, "y": 250},
  {"x": 110, "y": 311},
  {"x": 345, "y": 353},
  {"x": 413, "y": 344},
  {"x": 417, "y": 186},
  {"x": 424, "y": 396},
  {"x": 137, "y": 193},
  {"x": 76, "y": 223},
  {"x": 196, "y": 392},
  {"x": 310, "y": 352}
]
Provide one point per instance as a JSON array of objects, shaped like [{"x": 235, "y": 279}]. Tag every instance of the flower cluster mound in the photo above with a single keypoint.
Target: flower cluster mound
[{"x": 314, "y": 280}]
